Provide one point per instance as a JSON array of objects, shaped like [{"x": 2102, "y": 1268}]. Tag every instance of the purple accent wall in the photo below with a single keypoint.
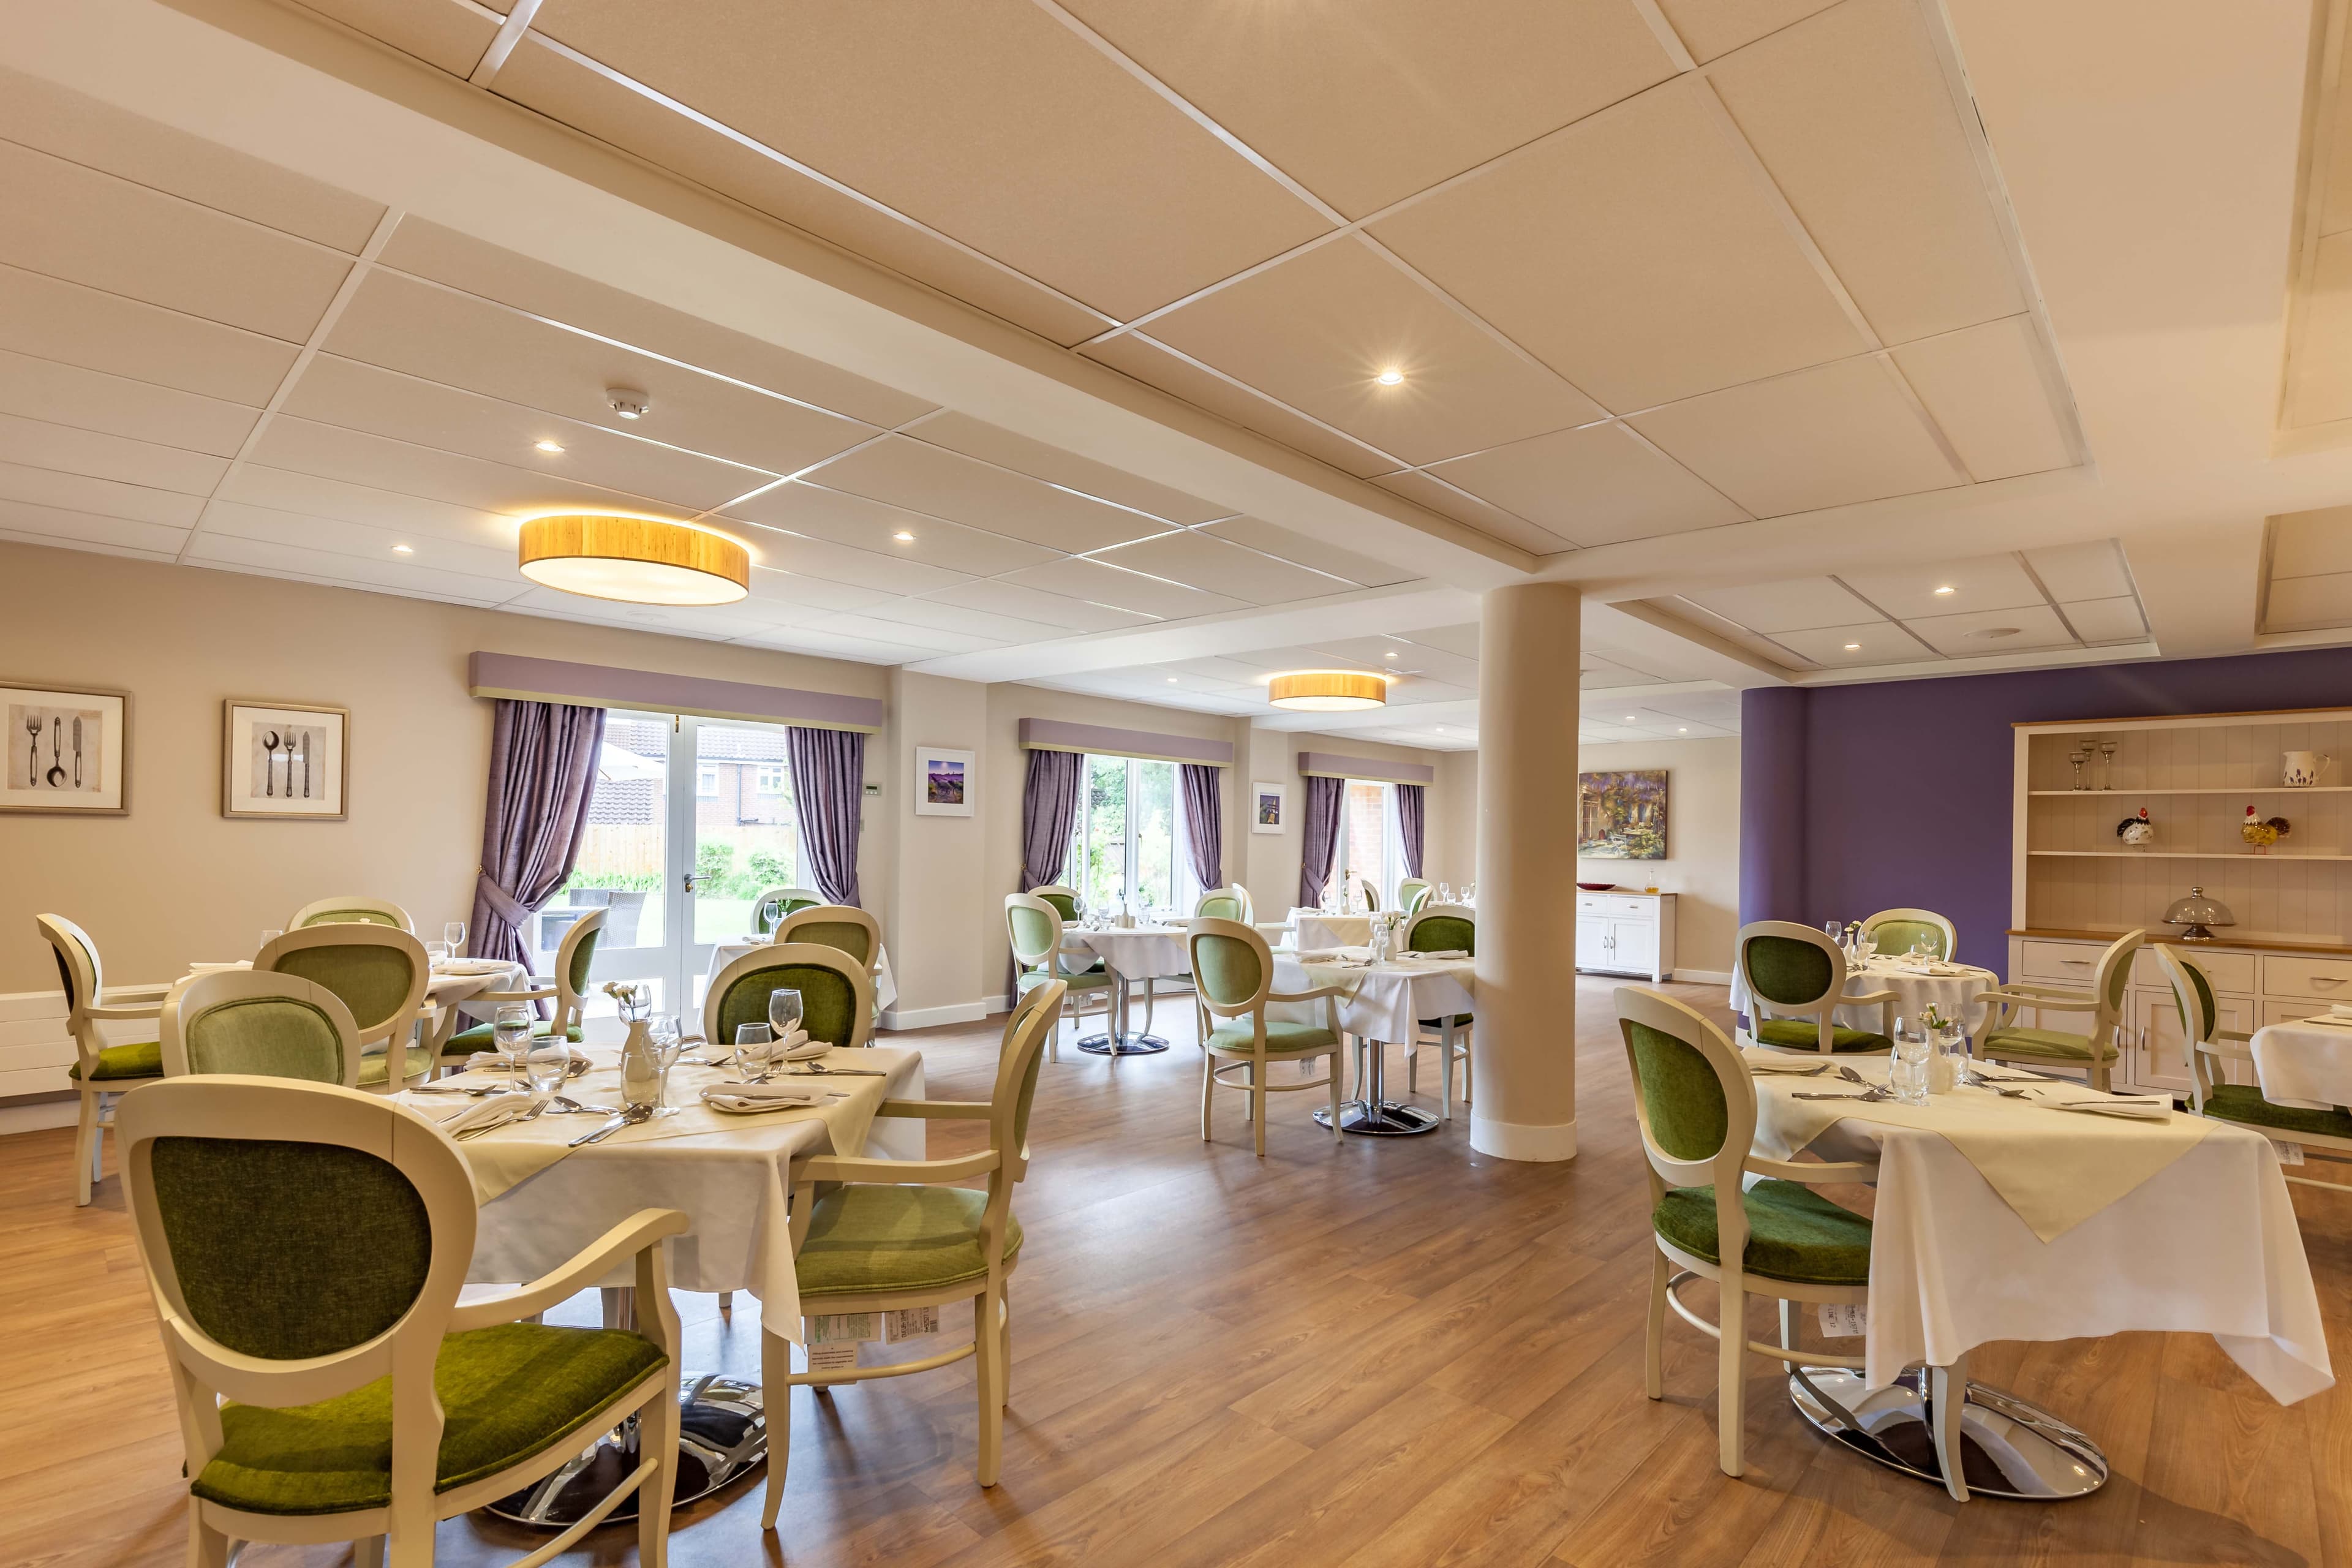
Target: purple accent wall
[{"x": 1859, "y": 798}]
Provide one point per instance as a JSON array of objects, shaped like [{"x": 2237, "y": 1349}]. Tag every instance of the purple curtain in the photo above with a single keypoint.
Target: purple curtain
[
  {"x": 1411, "y": 801},
  {"x": 1204, "y": 822},
  {"x": 1049, "y": 809},
  {"x": 1322, "y": 844},
  {"x": 828, "y": 790},
  {"x": 543, "y": 772}
]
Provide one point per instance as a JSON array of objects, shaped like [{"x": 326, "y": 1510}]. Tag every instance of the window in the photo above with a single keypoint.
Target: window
[
  {"x": 706, "y": 783},
  {"x": 772, "y": 780},
  {"x": 1371, "y": 844},
  {"x": 1123, "y": 848}
]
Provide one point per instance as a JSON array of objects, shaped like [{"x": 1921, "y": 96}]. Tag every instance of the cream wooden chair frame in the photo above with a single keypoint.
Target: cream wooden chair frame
[
  {"x": 397, "y": 1029},
  {"x": 310, "y": 913},
  {"x": 1234, "y": 891},
  {"x": 815, "y": 954},
  {"x": 571, "y": 1005},
  {"x": 1923, "y": 917},
  {"x": 1254, "y": 1061},
  {"x": 1823, "y": 1012},
  {"x": 2220, "y": 1044},
  {"x": 779, "y": 897},
  {"x": 2103, "y": 1001},
  {"x": 1671, "y": 1266},
  {"x": 1451, "y": 1040},
  {"x": 203, "y": 1371},
  {"x": 1005, "y": 1161},
  {"x": 88, "y": 1010},
  {"x": 1060, "y": 965},
  {"x": 1411, "y": 890},
  {"x": 197, "y": 994}
]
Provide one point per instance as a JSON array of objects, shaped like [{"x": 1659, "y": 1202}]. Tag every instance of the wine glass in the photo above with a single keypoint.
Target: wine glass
[
  {"x": 511, "y": 1027},
  {"x": 454, "y": 934},
  {"x": 267, "y": 937},
  {"x": 546, "y": 1063},
  {"x": 1444, "y": 892},
  {"x": 1833, "y": 930},
  {"x": 754, "y": 1043},
  {"x": 783, "y": 1012}
]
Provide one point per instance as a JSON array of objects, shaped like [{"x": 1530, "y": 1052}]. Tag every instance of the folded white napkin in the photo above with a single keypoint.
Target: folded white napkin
[
  {"x": 1319, "y": 954},
  {"x": 773, "y": 1095},
  {"x": 1443, "y": 952},
  {"x": 489, "y": 1111},
  {"x": 1794, "y": 1068},
  {"x": 791, "y": 1042},
  {"x": 481, "y": 1059},
  {"x": 2132, "y": 1108}
]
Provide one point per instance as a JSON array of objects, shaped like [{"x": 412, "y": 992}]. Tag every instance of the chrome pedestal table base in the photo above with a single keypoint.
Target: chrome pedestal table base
[
  {"x": 2007, "y": 1449},
  {"x": 1371, "y": 1112},
  {"x": 1132, "y": 1044},
  {"x": 722, "y": 1435}
]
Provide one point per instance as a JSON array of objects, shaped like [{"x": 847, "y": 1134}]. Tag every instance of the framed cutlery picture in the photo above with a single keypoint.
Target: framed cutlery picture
[
  {"x": 283, "y": 760},
  {"x": 69, "y": 752}
]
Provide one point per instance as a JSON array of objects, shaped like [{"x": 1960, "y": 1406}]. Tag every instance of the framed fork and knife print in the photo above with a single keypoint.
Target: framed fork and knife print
[
  {"x": 282, "y": 759},
  {"x": 67, "y": 752}
]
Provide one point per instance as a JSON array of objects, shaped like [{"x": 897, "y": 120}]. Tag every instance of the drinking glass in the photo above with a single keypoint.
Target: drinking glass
[
  {"x": 454, "y": 934},
  {"x": 1833, "y": 930},
  {"x": 754, "y": 1043},
  {"x": 1469, "y": 892},
  {"x": 511, "y": 1027},
  {"x": 783, "y": 1012},
  {"x": 267, "y": 937},
  {"x": 1907, "y": 1074},
  {"x": 435, "y": 952},
  {"x": 546, "y": 1063},
  {"x": 1444, "y": 892}
]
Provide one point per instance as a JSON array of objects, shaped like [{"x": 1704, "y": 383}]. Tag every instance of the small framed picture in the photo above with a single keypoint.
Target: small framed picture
[
  {"x": 284, "y": 760},
  {"x": 1267, "y": 801},
  {"x": 943, "y": 781},
  {"x": 69, "y": 752}
]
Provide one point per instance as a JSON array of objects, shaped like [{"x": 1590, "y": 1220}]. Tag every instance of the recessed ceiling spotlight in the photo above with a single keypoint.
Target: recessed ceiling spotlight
[
  {"x": 903, "y": 537},
  {"x": 549, "y": 446},
  {"x": 403, "y": 550},
  {"x": 1172, "y": 680},
  {"x": 1440, "y": 729},
  {"x": 1388, "y": 655},
  {"x": 1685, "y": 730},
  {"x": 1390, "y": 377},
  {"x": 1629, "y": 718},
  {"x": 628, "y": 402},
  {"x": 1853, "y": 648},
  {"x": 1945, "y": 589}
]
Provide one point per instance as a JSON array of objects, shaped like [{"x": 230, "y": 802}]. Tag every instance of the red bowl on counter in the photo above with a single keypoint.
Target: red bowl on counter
[{"x": 1598, "y": 887}]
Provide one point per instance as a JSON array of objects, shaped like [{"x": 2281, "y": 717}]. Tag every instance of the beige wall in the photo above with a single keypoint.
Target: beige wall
[
  {"x": 1272, "y": 875},
  {"x": 936, "y": 866},
  {"x": 174, "y": 881}
]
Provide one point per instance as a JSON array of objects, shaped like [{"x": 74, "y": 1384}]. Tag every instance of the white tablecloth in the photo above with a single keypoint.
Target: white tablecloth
[
  {"x": 732, "y": 1186},
  {"x": 1137, "y": 953},
  {"x": 2208, "y": 1244},
  {"x": 1956, "y": 994},
  {"x": 1385, "y": 1001},
  {"x": 1314, "y": 928},
  {"x": 2304, "y": 1064},
  {"x": 886, "y": 985}
]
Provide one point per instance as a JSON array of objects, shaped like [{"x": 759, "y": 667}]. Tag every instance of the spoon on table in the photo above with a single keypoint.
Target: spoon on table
[{"x": 630, "y": 1117}]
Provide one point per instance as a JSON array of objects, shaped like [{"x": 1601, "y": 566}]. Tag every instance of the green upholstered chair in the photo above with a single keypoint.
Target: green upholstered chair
[
  {"x": 353, "y": 909},
  {"x": 1411, "y": 893},
  {"x": 575, "y": 965},
  {"x": 1442, "y": 928},
  {"x": 773, "y": 904},
  {"x": 1227, "y": 903},
  {"x": 1233, "y": 980},
  {"x": 1696, "y": 1106},
  {"x": 381, "y": 973},
  {"x": 261, "y": 1024},
  {"x": 101, "y": 1069},
  {"x": 1063, "y": 897},
  {"x": 1795, "y": 980},
  {"x": 843, "y": 926},
  {"x": 836, "y": 993},
  {"x": 902, "y": 1234},
  {"x": 306, "y": 1244},
  {"x": 2325, "y": 1132},
  {"x": 2000, "y": 1038},
  {"x": 1034, "y": 924},
  {"x": 1371, "y": 894},
  {"x": 1895, "y": 930}
]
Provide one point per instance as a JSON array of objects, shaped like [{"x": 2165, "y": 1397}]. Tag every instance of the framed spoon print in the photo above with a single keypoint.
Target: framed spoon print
[
  {"x": 283, "y": 760},
  {"x": 69, "y": 752}
]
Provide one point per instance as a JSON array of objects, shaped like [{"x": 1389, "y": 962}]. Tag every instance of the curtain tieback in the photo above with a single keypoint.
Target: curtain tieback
[{"x": 502, "y": 903}]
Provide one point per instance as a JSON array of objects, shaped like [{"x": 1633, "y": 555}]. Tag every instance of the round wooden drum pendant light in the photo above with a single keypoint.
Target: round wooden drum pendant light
[
  {"x": 637, "y": 559},
  {"x": 1326, "y": 690}
]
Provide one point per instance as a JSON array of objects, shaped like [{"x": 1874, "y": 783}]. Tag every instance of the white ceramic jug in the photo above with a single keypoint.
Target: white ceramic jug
[{"x": 2301, "y": 768}]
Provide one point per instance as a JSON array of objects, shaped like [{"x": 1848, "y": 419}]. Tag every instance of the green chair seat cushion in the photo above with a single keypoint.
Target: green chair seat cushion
[
  {"x": 1804, "y": 1035},
  {"x": 868, "y": 1236},
  {"x": 373, "y": 1059},
  {"x": 2056, "y": 1045},
  {"x": 2245, "y": 1102},
  {"x": 1793, "y": 1233},
  {"x": 1237, "y": 1035},
  {"x": 507, "y": 1393},
  {"x": 484, "y": 1038},
  {"x": 142, "y": 1060},
  {"x": 1092, "y": 980}
]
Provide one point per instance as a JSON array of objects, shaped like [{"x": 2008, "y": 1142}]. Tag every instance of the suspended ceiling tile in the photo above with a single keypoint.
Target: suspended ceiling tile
[
  {"x": 356, "y": 396},
  {"x": 1599, "y": 485},
  {"x": 1285, "y": 546},
  {"x": 2097, "y": 621},
  {"x": 1397, "y": 656},
  {"x": 1067, "y": 616},
  {"x": 344, "y": 571},
  {"x": 1994, "y": 631},
  {"x": 855, "y": 520},
  {"x": 962, "y": 433},
  {"x": 1612, "y": 680},
  {"x": 67, "y": 221},
  {"x": 800, "y": 598},
  {"x": 1472, "y": 512},
  {"x": 2321, "y": 372},
  {"x": 562, "y": 88},
  {"x": 1710, "y": 29},
  {"x": 1984, "y": 388},
  {"x": 266, "y": 525},
  {"x": 1828, "y": 437},
  {"x": 821, "y": 558},
  {"x": 1635, "y": 254},
  {"x": 1223, "y": 672},
  {"x": 38, "y": 444},
  {"x": 463, "y": 341},
  {"x": 280, "y": 490},
  {"x": 937, "y": 639},
  {"x": 2310, "y": 604},
  {"x": 441, "y": 33},
  {"x": 1983, "y": 582},
  {"x": 2092, "y": 570},
  {"x": 1317, "y": 331},
  {"x": 94, "y": 400},
  {"x": 1102, "y": 584},
  {"x": 1136, "y": 354},
  {"x": 1366, "y": 104},
  {"x": 989, "y": 122},
  {"x": 2307, "y": 543},
  {"x": 330, "y": 452},
  {"x": 1772, "y": 608},
  {"x": 940, "y": 483},
  {"x": 930, "y": 612},
  {"x": 1200, "y": 561},
  {"x": 37, "y": 523},
  {"x": 1838, "y": 647},
  {"x": 109, "y": 497},
  {"x": 1461, "y": 640},
  {"x": 53, "y": 118},
  {"x": 54, "y": 319},
  {"x": 1851, "y": 114},
  {"x": 832, "y": 645}
]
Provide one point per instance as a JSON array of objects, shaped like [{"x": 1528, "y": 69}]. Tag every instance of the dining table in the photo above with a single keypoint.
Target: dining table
[
  {"x": 2026, "y": 1208},
  {"x": 2304, "y": 1062},
  {"x": 1953, "y": 989},
  {"x": 885, "y": 982},
  {"x": 1384, "y": 1002},
  {"x": 1148, "y": 951},
  {"x": 1314, "y": 928}
]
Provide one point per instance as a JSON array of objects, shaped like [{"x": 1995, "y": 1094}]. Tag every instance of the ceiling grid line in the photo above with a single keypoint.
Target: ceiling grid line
[{"x": 515, "y": 23}]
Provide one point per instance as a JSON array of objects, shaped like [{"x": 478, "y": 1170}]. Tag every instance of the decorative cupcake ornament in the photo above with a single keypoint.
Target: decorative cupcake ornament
[{"x": 2136, "y": 832}]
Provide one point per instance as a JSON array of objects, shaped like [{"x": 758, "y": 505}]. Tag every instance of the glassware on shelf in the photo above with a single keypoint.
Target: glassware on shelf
[
  {"x": 2078, "y": 756},
  {"x": 2106, "y": 766}
]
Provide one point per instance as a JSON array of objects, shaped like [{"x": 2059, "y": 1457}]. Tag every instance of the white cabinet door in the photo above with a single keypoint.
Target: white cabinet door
[
  {"x": 2161, "y": 1052},
  {"x": 1634, "y": 946},
  {"x": 1593, "y": 942}
]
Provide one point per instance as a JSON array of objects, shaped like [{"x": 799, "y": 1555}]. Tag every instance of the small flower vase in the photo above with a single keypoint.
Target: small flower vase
[{"x": 641, "y": 1069}]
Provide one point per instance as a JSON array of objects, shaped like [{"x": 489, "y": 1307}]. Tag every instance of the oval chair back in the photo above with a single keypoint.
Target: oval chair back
[
  {"x": 100, "y": 1070},
  {"x": 1894, "y": 931},
  {"x": 381, "y": 973},
  {"x": 575, "y": 968},
  {"x": 1232, "y": 968},
  {"x": 1064, "y": 899},
  {"x": 1231, "y": 903},
  {"x": 774, "y": 904},
  {"x": 836, "y": 993},
  {"x": 2200, "y": 1018},
  {"x": 1792, "y": 971},
  {"x": 82, "y": 975},
  {"x": 1411, "y": 893},
  {"x": 1035, "y": 924},
  {"x": 1442, "y": 928},
  {"x": 1371, "y": 894},
  {"x": 351, "y": 909},
  {"x": 261, "y": 1024},
  {"x": 850, "y": 928},
  {"x": 1033, "y": 1021}
]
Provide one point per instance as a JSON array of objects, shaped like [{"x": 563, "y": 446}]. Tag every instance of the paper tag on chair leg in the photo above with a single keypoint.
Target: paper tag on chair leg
[
  {"x": 911, "y": 1323},
  {"x": 840, "y": 1327},
  {"x": 1843, "y": 1319},
  {"x": 836, "y": 1355},
  {"x": 2289, "y": 1154}
]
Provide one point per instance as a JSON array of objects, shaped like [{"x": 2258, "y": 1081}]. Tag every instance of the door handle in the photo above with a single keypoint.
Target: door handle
[{"x": 690, "y": 878}]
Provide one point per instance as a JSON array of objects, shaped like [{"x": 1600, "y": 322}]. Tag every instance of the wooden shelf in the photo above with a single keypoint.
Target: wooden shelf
[
  {"x": 2250, "y": 943},
  {"x": 2179, "y": 855},
  {"x": 2254, "y": 789}
]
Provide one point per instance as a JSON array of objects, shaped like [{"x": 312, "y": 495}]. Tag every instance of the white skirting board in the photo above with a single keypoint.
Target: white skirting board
[
  {"x": 929, "y": 1018},
  {"x": 1703, "y": 976}
]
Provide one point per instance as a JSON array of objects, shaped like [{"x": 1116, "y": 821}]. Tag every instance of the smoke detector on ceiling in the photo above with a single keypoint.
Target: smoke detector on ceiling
[
  {"x": 1994, "y": 633},
  {"x": 628, "y": 402}
]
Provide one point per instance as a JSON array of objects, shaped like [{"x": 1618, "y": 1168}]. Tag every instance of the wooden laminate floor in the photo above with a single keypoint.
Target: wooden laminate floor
[{"x": 1386, "y": 1353}]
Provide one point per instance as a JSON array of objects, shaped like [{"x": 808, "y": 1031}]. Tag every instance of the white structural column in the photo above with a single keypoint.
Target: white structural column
[{"x": 1524, "y": 1047}]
